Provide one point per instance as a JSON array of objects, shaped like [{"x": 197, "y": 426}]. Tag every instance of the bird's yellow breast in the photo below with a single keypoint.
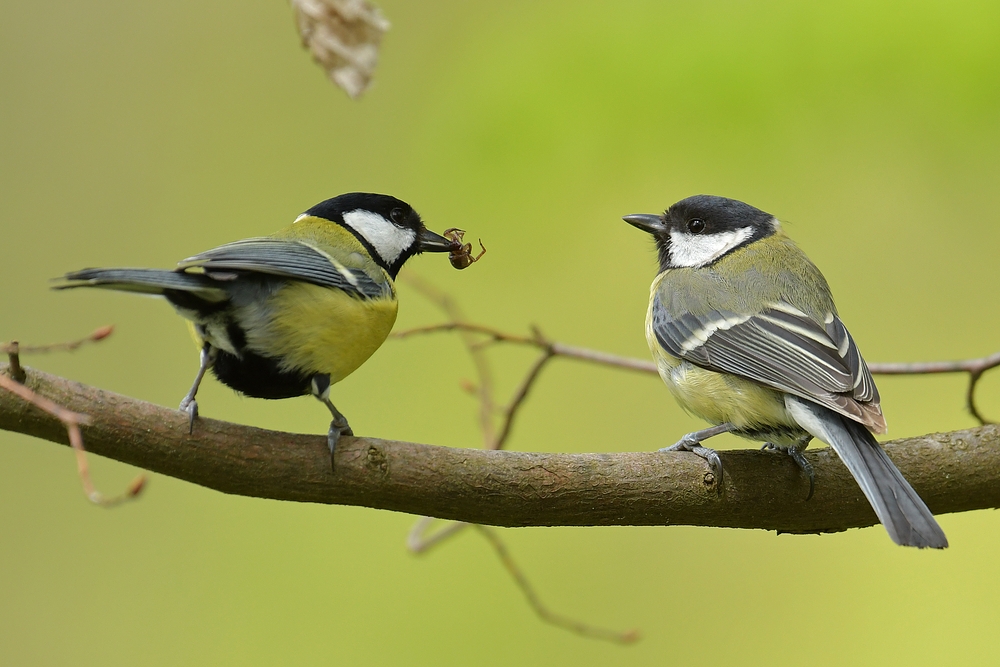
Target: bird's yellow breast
[
  {"x": 319, "y": 329},
  {"x": 322, "y": 330}
]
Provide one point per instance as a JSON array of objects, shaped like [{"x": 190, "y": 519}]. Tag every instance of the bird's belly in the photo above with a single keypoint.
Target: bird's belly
[
  {"x": 758, "y": 412},
  {"x": 317, "y": 330}
]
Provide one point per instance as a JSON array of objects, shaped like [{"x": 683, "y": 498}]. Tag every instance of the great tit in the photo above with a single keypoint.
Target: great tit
[
  {"x": 295, "y": 312},
  {"x": 745, "y": 334}
]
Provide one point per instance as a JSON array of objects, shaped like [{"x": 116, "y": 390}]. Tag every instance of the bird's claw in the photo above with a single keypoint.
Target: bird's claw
[
  {"x": 803, "y": 463},
  {"x": 190, "y": 407},
  {"x": 689, "y": 443},
  {"x": 338, "y": 428},
  {"x": 800, "y": 460}
]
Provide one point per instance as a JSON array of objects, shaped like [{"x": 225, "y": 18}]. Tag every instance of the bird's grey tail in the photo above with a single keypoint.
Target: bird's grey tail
[
  {"x": 901, "y": 511},
  {"x": 144, "y": 281}
]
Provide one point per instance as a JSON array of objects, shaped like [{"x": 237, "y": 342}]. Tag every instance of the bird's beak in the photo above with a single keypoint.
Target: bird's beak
[
  {"x": 647, "y": 222},
  {"x": 432, "y": 242}
]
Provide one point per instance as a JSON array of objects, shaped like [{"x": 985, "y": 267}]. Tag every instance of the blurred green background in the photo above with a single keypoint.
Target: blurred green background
[{"x": 141, "y": 133}]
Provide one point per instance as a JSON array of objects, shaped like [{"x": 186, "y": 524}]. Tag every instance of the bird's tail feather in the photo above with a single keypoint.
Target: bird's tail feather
[
  {"x": 901, "y": 511},
  {"x": 144, "y": 281}
]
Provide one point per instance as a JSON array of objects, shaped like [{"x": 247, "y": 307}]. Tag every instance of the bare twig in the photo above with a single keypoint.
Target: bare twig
[
  {"x": 483, "y": 388},
  {"x": 13, "y": 356},
  {"x": 547, "y": 615},
  {"x": 522, "y": 393},
  {"x": 974, "y": 367},
  {"x": 970, "y": 398},
  {"x": 418, "y": 540},
  {"x": 98, "y": 334},
  {"x": 928, "y": 367},
  {"x": 71, "y": 420}
]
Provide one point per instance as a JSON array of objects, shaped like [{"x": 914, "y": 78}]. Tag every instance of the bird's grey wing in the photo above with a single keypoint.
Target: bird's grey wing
[
  {"x": 288, "y": 259},
  {"x": 781, "y": 347}
]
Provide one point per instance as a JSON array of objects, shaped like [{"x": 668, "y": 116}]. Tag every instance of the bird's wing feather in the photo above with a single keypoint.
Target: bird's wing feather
[
  {"x": 780, "y": 347},
  {"x": 289, "y": 259}
]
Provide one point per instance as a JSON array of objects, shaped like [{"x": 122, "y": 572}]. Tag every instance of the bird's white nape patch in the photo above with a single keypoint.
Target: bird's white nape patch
[
  {"x": 388, "y": 240},
  {"x": 694, "y": 250}
]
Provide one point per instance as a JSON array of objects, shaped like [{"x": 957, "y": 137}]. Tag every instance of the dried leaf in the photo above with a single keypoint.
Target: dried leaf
[{"x": 343, "y": 37}]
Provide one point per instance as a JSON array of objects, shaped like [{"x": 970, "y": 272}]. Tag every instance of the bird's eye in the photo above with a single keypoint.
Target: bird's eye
[
  {"x": 696, "y": 226},
  {"x": 397, "y": 215}
]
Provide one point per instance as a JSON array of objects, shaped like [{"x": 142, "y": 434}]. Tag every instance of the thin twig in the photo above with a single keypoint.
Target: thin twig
[
  {"x": 926, "y": 367},
  {"x": 970, "y": 398},
  {"x": 492, "y": 336},
  {"x": 71, "y": 420},
  {"x": 604, "y": 358},
  {"x": 98, "y": 334},
  {"x": 522, "y": 393},
  {"x": 974, "y": 367},
  {"x": 484, "y": 386},
  {"x": 16, "y": 372},
  {"x": 547, "y": 615},
  {"x": 418, "y": 541}
]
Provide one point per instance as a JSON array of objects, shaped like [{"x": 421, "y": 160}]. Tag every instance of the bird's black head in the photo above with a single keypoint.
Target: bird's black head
[
  {"x": 389, "y": 228},
  {"x": 700, "y": 230}
]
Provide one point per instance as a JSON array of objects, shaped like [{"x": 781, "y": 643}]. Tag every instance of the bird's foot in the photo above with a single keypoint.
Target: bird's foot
[
  {"x": 190, "y": 407},
  {"x": 692, "y": 443},
  {"x": 188, "y": 404},
  {"x": 800, "y": 460},
  {"x": 338, "y": 427}
]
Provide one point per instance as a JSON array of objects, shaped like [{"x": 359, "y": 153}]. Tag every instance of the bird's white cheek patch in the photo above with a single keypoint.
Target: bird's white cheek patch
[
  {"x": 388, "y": 240},
  {"x": 694, "y": 250}
]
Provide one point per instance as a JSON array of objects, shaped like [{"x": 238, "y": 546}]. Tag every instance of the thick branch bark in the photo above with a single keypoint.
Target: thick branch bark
[{"x": 953, "y": 472}]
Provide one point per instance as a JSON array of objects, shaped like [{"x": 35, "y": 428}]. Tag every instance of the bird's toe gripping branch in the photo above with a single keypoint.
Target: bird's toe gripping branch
[
  {"x": 692, "y": 443},
  {"x": 339, "y": 426}
]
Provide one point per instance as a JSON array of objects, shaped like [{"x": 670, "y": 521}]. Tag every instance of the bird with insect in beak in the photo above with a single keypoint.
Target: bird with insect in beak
[
  {"x": 745, "y": 334},
  {"x": 295, "y": 312}
]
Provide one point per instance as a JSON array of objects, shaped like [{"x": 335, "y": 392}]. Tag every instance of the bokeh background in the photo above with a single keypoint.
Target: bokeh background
[{"x": 141, "y": 133}]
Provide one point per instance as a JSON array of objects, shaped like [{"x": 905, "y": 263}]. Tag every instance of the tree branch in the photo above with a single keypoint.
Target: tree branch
[{"x": 953, "y": 472}]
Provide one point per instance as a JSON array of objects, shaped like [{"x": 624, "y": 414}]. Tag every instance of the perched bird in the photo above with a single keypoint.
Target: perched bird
[
  {"x": 745, "y": 334},
  {"x": 295, "y": 312}
]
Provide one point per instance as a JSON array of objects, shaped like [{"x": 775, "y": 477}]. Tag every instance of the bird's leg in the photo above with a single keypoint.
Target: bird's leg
[
  {"x": 692, "y": 443},
  {"x": 339, "y": 425},
  {"x": 188, "y": 404},
  {"x": 800, "y": 460}
]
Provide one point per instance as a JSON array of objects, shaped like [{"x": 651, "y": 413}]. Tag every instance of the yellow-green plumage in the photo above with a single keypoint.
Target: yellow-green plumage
[
  {"x": 324, "y": 330},
  {"x": 321, "y": 329},
  {"x": 723, "y": 397}
]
